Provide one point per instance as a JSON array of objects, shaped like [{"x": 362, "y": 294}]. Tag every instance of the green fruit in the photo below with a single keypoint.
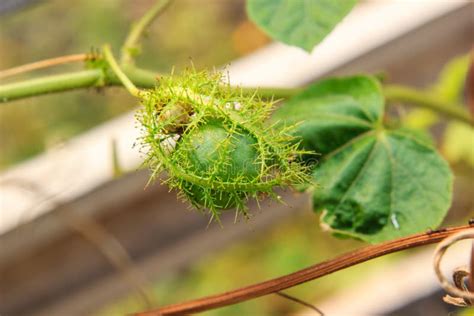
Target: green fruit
[
  {"x": 214, "y": 144},
  {"x": 227, "y": 157}
]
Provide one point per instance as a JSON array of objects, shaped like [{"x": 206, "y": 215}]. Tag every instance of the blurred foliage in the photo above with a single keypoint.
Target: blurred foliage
[
  {"x": 457, "y": 142},
  {"x": 212, "y": 36},
  {"x": 469, "y": 311},
  {"x": 279, "y": 250}
]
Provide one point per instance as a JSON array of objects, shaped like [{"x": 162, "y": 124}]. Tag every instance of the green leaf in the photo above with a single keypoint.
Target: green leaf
[
  {"x": 302, "y": 23},
  {"x": 334, "y": 111},
  {"x": 374, "y": 183}
]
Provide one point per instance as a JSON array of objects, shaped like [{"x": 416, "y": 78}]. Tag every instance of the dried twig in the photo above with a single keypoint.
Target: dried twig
[
  {"x": 305, "y": 275},
  {"x": 297, "y": 300},
  {"x": 458, "y": 294},
  {"x": 43, "y": 64}
]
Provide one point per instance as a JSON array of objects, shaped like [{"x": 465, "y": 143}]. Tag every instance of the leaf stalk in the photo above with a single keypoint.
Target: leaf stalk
[{"x": 410, "y": 96}]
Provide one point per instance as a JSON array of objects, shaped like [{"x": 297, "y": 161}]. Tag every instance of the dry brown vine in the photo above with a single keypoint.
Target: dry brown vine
[
  {"x": 43, "y": 64},
  {"x": 305, "y": 275}
]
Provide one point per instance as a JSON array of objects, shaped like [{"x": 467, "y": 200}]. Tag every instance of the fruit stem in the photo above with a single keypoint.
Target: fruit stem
[{"x": 109, "y": 57}]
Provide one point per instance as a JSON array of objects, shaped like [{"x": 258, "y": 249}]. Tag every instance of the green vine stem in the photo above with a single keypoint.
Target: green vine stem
[
  {"x": 96, "y": 78},
  {"x": 147, "y": 79},
  {"x": 50, "y": 84},
  {"x": 410, "y": 96},
  {"x": 130, "y": 47},
  {"x": 91, "y": 78}
]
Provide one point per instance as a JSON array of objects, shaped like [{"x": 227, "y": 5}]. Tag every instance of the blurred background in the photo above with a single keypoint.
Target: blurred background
[{"x": 112, "y": 248}]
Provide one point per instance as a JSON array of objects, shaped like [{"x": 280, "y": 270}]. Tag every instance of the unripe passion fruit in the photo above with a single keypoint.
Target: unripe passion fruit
[
  {"x": 213, "y": 144},
  {"x": 224, "y": 156}
]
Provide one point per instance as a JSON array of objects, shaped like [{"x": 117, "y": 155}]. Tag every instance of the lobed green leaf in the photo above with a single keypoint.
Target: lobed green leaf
[{"x": 375, "y": 183}]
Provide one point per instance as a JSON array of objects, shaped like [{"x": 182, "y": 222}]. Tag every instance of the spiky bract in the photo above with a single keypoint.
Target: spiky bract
[{"x": 213, "y": 142}]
